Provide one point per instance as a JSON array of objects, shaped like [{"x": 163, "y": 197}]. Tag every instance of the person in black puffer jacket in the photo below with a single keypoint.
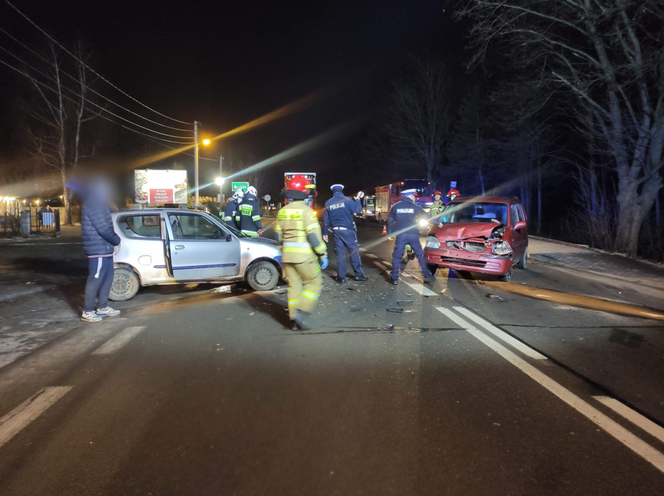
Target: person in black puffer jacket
[{"x": 100, "y": 242}]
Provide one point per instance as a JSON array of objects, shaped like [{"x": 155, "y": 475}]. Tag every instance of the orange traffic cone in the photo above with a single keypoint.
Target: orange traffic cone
[{"x": 384, "y": 230}]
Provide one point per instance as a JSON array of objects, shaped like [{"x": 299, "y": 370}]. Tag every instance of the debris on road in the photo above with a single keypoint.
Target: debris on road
[
  {"x": 222, "y": 289},
  {"x": 395, "y": 310},
  {"x": 404, "y": 303},
  {"x": 495, "y": 297}
]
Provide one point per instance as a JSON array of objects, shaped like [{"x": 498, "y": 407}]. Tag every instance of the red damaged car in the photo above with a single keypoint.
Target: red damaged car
[{"x": 488, "y": 235}]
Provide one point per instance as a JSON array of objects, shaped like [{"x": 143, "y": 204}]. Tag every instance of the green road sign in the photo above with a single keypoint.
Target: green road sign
[{"x": 243, "y": 185}]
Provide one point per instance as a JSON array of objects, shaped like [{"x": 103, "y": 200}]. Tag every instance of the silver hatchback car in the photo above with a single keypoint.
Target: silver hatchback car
[{"x": 171, "y": 246}]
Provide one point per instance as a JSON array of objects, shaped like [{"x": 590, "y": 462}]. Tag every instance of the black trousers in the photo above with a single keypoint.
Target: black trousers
[{"x": 100, "y": 280}]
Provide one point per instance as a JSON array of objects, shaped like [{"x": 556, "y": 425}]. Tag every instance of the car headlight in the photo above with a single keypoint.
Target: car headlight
[
  {"x": 424, "y": 223},
  {"x": 501, "y": 248},
  {"x": 432, "y": 242}
]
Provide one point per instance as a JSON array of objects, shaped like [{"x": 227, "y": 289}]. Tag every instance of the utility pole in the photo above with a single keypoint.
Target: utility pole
[
  {"x": 221, "y": 186},
  {"x": 196, "y": 123}
]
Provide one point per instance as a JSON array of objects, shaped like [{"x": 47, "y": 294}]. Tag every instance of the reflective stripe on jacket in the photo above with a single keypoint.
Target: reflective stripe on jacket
[{"x": 294, "y": 222}]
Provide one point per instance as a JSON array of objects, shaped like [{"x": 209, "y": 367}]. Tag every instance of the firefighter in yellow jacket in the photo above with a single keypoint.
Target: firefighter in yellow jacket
[{"x": 302, "y": 245}]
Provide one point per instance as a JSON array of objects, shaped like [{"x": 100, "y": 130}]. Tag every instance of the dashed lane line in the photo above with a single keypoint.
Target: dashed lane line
[
  {"x": 21, "y": 416},
  {"x": 371, "y": 255},
  {"x": 118, "y": 341},
  {"x": 423, "y": 290},
  {"x": 499, "y": 333},
  {"x": 634, "y": 417},
  {"x": 633, "y": 442}
]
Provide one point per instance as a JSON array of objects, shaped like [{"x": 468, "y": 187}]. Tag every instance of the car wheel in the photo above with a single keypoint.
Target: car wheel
[
  {"x": 125, "y": 285},
  {"x": 262, "y": 276},
  {"x": 523, "y": 263},
  {"x": 508, "y": 276}
]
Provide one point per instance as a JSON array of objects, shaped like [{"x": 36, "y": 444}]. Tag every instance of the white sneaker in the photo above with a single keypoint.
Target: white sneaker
[
  {"x": 90, "y": 317},
  {"x": 108, "y": 312}
]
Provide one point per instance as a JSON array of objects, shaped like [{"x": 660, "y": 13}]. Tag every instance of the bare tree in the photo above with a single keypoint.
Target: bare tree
[
  {"x": 416, "y": 127},
  {"x": 59, "y": 114},
  {"x": 610, "y": 55}
]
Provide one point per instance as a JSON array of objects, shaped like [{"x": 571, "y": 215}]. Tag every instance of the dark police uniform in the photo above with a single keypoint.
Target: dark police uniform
[
  {"x": 338, "y": 213},
  {"x": 403, "y": 221}
]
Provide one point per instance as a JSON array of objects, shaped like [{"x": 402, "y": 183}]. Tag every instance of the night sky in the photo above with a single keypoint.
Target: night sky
[{"x": 226, "y": 63}]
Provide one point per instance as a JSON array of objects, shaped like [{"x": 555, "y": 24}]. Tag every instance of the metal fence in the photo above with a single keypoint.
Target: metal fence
[{"x": 29, "y": 221}]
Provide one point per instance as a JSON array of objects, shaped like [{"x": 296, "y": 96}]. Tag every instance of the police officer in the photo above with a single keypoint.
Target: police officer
[
  {"x": 403, "y": 221},
  {"x": 301, "y": 244},
  {"x": 248, "y": 215},
  {"x": 338, "y": 214},
  {"x": 231, "y": 209}
]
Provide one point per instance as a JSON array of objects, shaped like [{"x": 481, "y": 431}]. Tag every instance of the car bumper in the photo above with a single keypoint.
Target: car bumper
[{"x": 482, "y": 263}]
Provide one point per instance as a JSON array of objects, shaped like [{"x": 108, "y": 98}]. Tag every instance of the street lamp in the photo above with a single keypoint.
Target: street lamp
[
  {"x": 196, "y": 144},
  {"x": 220, "y": 182}
]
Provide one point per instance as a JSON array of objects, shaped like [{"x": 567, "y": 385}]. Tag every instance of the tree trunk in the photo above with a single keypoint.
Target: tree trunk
[
  {"x": 539, "y": 197},
  {"x": 633, "y": 208},
  {"x": 481, "y": 180}
]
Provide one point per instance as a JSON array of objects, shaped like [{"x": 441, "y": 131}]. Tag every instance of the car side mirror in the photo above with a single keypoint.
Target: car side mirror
[
  {"x": 229, "y": 238},
  {"x": 520, "y": 225}
]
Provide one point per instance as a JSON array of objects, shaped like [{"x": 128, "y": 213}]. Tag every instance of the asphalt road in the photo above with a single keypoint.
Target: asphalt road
[{"x": 197, "y": 393}]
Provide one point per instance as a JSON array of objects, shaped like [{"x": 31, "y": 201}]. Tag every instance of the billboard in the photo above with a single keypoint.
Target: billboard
[{"x": 160, "y": 186}]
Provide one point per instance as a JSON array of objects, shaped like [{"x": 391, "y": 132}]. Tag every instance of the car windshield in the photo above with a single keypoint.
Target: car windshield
[
  {"x": 232, "y": 229},
  {"x": 475, "y": 212},
  {"x": 419, "y": 185}
]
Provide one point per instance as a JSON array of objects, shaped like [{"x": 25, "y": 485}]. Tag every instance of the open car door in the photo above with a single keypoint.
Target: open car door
[{"x": 200, "y": 249}]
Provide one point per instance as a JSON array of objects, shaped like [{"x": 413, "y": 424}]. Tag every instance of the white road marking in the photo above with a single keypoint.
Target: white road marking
[
  {"x": 371, "y": 255},
  {"x": 118, "y": 341},
  {"x": 423, "y": 290},
  {"x": 12, "y": 423},
  {"x": 499, "y": 333},
  {"x": 380, "y": 265},
  {"x": 633, "y": 442},
  {"x": 363, "y": 249},
  {"x": 634, "y": 417},
  {"x": 417, "y": 287}
]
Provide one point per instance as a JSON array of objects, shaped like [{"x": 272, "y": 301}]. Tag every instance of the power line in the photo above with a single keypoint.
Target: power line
[
  {"x": 90, "y": 68},
  {"x": 100, "y": 115},
  {"x": 37, "y": 54},
  {"x": 90, "y": 101}
]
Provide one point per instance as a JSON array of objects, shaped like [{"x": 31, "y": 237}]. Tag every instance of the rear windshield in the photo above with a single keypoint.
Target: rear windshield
[{"x": 475, "y": 212}]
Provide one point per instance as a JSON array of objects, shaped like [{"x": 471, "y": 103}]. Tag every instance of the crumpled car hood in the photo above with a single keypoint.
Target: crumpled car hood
[{"x": 466, "y": 230}]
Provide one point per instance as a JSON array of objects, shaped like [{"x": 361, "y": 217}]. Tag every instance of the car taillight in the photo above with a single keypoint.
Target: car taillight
[
  {"x": 501, "y": 248},
  {"x": 432, "y": 242}
]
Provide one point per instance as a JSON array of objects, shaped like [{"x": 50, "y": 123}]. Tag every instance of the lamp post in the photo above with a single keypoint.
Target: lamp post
[
  {"x": 221, "y": 176},
  {"x": 196, "y": 163},
  {"x": 220, "y": 182}
]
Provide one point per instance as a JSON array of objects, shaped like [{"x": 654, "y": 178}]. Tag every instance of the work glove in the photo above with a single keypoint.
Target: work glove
[{"x": 324, "y": 262}]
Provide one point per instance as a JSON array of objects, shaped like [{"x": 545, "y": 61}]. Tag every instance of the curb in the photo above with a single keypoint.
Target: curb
[{"x": 658, "y": 265}]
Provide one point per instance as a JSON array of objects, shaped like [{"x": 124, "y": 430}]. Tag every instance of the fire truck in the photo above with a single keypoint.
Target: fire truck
[
  {"x": 311, "y": 176},
  {"x": 389, "y": 194}
]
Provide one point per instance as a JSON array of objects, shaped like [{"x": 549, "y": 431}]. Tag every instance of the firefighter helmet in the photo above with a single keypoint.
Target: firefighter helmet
[
  {"x": 453, "y": 192},
  {"x": 252, "y": 191},
  {"x": 437, "y": 192}
]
